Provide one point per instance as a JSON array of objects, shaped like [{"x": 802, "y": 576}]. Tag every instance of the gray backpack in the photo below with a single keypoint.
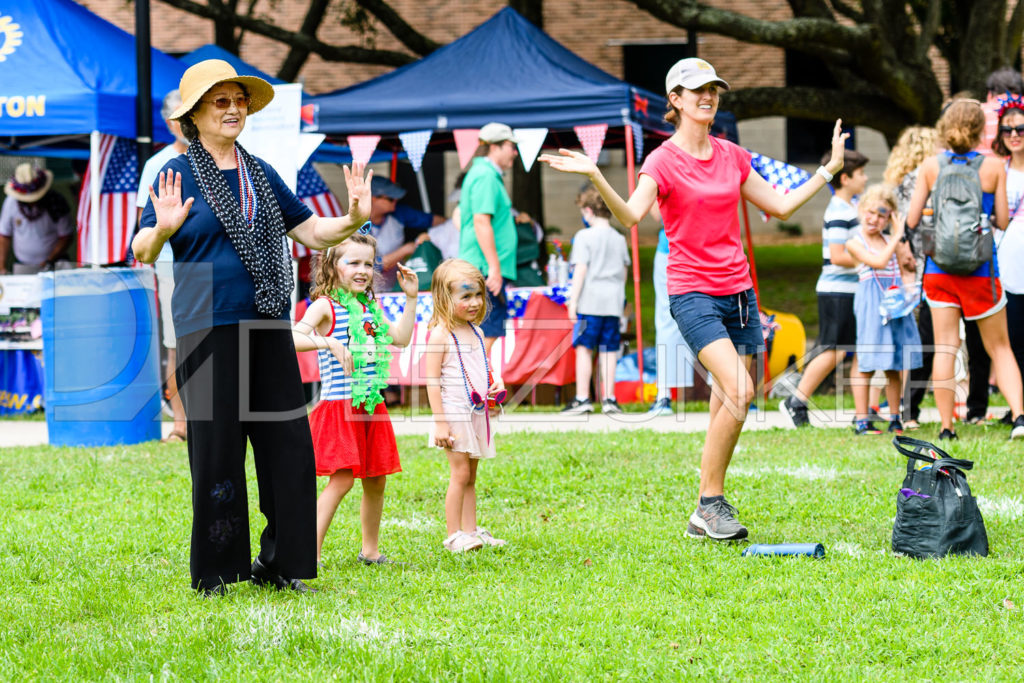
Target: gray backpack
[{"x": 959, "y": 244}]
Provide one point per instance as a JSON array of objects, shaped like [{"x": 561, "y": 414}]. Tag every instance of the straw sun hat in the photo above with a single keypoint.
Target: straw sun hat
[
  {"x": 29, "y": 184},
  {"x": 199, "y": 78}
]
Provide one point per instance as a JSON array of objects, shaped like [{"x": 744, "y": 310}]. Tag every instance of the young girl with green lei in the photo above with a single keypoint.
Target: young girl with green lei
[{"x": 352, "y": 433}]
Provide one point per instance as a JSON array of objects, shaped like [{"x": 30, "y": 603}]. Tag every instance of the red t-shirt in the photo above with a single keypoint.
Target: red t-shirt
[{"x": 698, "y": 201}]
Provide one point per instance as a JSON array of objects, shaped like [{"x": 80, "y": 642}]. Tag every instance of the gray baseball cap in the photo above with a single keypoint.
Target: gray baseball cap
[
  {"x": 497, "y": 132},
  {"x": 692, "y": 73},
  {"x": 382, "y": 187}
]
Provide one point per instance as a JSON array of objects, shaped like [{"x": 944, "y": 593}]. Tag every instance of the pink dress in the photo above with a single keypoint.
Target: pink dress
[{"x": 469, "y": 427}]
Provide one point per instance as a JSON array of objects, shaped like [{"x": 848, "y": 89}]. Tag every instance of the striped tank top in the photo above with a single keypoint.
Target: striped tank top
[
  {"x": 888, "y": 274},
  {"x": 334, "y": 383}
]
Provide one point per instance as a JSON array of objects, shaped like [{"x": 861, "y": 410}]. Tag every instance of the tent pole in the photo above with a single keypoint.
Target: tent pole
[
  {"x": 94, "y": 198},
  {"x": 634, "y": 235},
  {"x": 144, "y": 85},
  {"x": 421, "y": 184},
  {"x": 394, "y": 165},
  {"x": 757, "y": 290}
]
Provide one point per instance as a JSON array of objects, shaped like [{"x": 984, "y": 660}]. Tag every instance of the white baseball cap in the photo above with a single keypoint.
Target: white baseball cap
[
  {"x": 497, "y": 132},
  {"x": 692, "y": 73}
]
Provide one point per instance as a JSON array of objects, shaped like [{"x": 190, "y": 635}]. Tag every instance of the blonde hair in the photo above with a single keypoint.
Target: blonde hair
[
  {"x": 915, "y": 144},
  {"x": 961, "y": 125},
  {"x": 325, "y": 270},
  {"x": 590, "y": 198},
  {"x": 878, "y": 193},
  {"x": 450, "y": 273}
]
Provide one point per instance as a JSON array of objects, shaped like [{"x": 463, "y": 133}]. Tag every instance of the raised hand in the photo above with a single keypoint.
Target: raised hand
[
  {"x": 899, "y": 222},
  {"x": 570, "y": 162},
  {"x": 408, "y": 280},
  {"x": 835, "y": 164},
  {"x": 358, "y": 188},
  {"x": 170, "y": 211}
]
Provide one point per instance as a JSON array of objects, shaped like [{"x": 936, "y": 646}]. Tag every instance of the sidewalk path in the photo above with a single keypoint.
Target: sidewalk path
[{"x": 33, "y": 433}]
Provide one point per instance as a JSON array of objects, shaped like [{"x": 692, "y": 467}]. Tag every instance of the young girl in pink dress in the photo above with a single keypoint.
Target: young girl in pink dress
[
  {"x": 352, "y": 434},
  {"x": 463, "y": 390}
]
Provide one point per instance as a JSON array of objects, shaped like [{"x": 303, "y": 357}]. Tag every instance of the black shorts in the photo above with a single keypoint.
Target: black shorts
[{"x": 837, "y": 325}]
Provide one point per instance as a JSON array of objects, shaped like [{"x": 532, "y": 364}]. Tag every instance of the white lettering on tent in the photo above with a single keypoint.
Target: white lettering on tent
[{"x": 18, "y": 106}]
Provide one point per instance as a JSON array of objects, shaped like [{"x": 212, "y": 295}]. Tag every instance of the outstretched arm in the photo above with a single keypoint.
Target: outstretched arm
[
  {"x": 309, "y": 334},
  {"x": 757, "y": 190},
  {"x": 628, "y": 212}
]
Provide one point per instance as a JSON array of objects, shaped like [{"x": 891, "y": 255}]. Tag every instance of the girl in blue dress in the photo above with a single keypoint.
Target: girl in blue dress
[{"x": 887, "y": 337}]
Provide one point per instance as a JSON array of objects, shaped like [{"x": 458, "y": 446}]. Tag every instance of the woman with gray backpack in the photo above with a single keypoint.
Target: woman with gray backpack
[{"x": 960, "y": 196}]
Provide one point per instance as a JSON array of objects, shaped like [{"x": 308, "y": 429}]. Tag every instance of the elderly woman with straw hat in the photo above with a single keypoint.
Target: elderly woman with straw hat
[
  {"x": 35, "y": 222},
  {"x": 225, "y": 214}
]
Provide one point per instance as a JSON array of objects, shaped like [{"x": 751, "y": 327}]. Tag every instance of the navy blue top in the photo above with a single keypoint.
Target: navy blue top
[{"x": 211, "y": 284}]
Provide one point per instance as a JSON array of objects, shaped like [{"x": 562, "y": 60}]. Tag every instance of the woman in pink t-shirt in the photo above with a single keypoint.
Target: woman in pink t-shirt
[{"x": 697, "y": 181}]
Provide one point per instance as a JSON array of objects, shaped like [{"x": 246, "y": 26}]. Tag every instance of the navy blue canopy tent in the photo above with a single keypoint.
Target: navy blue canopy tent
[
  {"x": 505, "y": 70},
  {"x": 65, "y": 72}
]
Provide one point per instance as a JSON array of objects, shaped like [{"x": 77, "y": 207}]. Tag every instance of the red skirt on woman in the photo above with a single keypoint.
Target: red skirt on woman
[{"x": 347, "y": 438}]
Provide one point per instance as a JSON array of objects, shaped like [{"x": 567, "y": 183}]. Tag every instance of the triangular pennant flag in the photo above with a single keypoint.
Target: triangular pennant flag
[
  {"x": 362, "y": 147},
  {"x": 638, "y": 139},
  {"x": 592, "y": 139},
  {"x": 530, "y": 142},
  {"x": 466, "y": 141},
  {"x": 415, "y": 144}
]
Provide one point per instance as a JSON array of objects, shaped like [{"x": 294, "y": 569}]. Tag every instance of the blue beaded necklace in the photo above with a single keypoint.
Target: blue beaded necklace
[{"x": 476, "y": 400}]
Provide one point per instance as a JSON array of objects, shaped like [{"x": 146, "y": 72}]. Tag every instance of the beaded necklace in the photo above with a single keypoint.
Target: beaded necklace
[
  {"x": 245, "y": 190},
  {"x": 479, "y": 402}
]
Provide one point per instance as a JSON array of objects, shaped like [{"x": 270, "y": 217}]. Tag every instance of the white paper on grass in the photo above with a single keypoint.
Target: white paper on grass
[{"x": 272, "y": 134}]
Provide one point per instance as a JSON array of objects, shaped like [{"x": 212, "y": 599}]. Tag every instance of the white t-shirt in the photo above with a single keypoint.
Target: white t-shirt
[
  {"x": 149, "y": 175},
  {"x": 32, "y": 241},
  {"x": 603, "y": 249},
  {"x": 1010, "y": 242}
]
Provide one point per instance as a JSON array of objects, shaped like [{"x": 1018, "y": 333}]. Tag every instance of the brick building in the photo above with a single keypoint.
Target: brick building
[{"x": 618, "y": 37}]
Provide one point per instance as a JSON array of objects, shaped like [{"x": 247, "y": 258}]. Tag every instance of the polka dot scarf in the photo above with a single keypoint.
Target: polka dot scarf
[{"x": 257, "y": 233}]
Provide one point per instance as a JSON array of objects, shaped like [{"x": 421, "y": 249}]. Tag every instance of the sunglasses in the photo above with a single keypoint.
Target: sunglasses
[
  {"x": 240, "y": 101},
  {"x": 1006, "y": 130}
]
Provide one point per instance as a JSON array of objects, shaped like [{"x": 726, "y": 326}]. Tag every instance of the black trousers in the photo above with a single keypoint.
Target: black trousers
[
  {"x": 979, "y": 366},
  {"x": 241, "y": 383},
  {"x": 1015, "y": 326}
]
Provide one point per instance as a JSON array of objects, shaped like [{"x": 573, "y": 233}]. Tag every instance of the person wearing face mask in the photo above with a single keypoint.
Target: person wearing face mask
[
  {"x": 697, "y": 181},
  {"x": 488, "y": 238},
  {"x": 600, "y": 260}
]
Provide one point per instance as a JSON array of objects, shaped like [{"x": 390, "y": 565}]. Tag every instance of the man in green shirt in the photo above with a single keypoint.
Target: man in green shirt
[{"x": 488, "y": 233}]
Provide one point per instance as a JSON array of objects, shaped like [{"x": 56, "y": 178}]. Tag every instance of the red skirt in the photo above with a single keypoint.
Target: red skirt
[{"x": 347, "y": 438}]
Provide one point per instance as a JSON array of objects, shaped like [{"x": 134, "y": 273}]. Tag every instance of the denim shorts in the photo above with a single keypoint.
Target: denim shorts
[
  {"x": 493, "y": 325},
  {"x": 704, "y": 318},
  {"x": 597, "y": 332}
]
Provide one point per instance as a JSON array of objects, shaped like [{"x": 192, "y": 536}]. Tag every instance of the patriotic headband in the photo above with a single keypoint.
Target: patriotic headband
[{"x": 1009, "y": 102}]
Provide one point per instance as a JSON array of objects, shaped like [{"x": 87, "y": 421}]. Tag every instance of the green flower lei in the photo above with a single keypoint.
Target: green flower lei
[{"x": 366, "y": 390}]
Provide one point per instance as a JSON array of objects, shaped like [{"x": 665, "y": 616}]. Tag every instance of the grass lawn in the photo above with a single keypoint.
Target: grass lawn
[{"x": 598, "y": 582}]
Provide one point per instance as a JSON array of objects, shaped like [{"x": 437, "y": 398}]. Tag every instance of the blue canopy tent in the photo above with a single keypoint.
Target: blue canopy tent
[
  {"x": 505, "y": 70},
  {"x": 65, "y": 73}
]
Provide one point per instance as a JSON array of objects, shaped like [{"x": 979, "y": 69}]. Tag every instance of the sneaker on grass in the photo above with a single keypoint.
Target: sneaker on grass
[
  {"x": 661, "y": 408},
  {"x": 461, "y": 542},
  {"x": 865, "y": 427},
  {"x": 610, "y": 406},
  {"x": 895, "y": 426},
  {"x": 578, "y": 407},
  {"x": 716, "y": 520},
  {"x": 1018, "y": 427},
  {"x": 486, "y": 538},
  {"x": 795, "y": 411}
]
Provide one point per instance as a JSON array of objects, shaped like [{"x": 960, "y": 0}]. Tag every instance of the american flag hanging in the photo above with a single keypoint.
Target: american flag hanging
[
  {"x": 315, "y": 194},
  {"x": 781, "y": 176},
  {"x": 118, "y": 171}
]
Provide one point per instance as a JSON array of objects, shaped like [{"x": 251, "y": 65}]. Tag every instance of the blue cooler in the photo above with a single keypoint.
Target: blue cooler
[{"x": 101, "y": 356}]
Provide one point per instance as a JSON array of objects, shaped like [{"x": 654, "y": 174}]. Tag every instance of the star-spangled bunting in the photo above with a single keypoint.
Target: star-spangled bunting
[
  {"x": 640, "y": 103},
  {"x": 118, "y": 171},
  {"x": 592, "y": 139},
  {"x": 362, "y": 147},
  {"x": 781, "y": 176},
  {"x": 393, "y": 303},
  {"x": 530, "y": 142},
  {"x": 314, "y": 193},
  {"x": 415, "y": 143},
  {"x": 466, "y": 141}
]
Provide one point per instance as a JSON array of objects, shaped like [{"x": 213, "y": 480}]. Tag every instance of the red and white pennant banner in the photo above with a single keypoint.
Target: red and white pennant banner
[
  {"x": 592, "y": 139},
  {"x": 466, "y": 142},
  {"x": 530, "y": 142},
  {"x": 362, "y": 147}
]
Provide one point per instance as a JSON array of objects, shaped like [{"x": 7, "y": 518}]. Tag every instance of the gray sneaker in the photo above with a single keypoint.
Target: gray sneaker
[
  {"x": 610, "y": 406},
  {"x": 716, "y": 520},
  {"x": 796, "y": 412},
  {"x": 578, "y": 407}
]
